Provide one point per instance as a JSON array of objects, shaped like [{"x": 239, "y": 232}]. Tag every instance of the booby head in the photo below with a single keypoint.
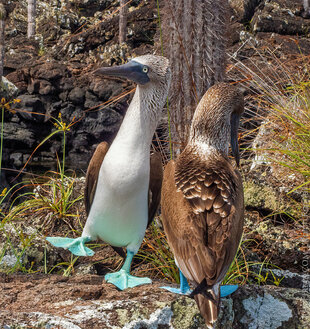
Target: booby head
[
  {"x": 143, "y": 70},
  {"x": 218, "y": 115}
]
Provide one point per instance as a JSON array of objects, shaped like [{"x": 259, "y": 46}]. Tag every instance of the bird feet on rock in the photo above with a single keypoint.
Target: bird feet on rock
[
  {"x": 228, "y": 289},
  {"x": 123, "y": 280},
  {"x": 184, "y": 286},
  {"x": 178, "y": 290},
  {"x": 224, "y": 290}
]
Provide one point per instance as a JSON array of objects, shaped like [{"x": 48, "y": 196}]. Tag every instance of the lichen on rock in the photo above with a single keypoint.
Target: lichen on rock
[
  {"x": 260, "y": 196},
  {"x": 265, "y": 312}
]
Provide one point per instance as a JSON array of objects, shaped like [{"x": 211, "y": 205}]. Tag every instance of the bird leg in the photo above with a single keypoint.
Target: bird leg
[
  {"x": 200, "y": 289},
  {"x": 184, "y": 287},
  {"x": 122, "y": 279}
]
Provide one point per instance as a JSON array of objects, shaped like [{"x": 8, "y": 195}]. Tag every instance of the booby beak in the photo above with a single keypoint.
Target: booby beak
[
  {"x": 132, "y": 71},
  {"x": 234, "y": 125}
]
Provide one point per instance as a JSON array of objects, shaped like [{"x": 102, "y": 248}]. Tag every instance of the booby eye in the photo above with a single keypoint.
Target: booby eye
[{"x": 145, "y": 69}]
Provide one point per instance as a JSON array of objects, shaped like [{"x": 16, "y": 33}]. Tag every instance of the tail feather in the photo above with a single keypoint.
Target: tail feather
[{"x": 209, "y": 309}]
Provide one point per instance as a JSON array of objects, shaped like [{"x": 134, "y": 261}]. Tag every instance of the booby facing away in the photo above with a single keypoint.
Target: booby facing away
[
  {"x": 118, "y": 179},
  {"x": 202, "y": 198}
]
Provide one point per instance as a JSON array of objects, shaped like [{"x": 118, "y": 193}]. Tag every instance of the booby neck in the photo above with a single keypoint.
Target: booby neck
[
  {"x": 215, "y": 136},
  {"x": 140, "y": 121},
  {"x": 216, "y": 121}
]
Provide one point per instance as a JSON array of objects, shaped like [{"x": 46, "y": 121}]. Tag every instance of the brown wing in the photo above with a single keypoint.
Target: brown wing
[
  {"x": 203, "y": 216},
  {"x": 92, "y": 174},
  {"x": 156, "y": 178}
]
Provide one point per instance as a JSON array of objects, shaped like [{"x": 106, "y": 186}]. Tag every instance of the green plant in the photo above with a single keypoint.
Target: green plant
[
  {"x": 156, "y": 253},
  {"x": 242, "y": 271},
  {"x": 56, "y": 193},
  {"x": 293, "y": 142},
  {"x": 16, "y": 251},
  {"x": 51, "y": 199},
  {"x": 278, "y": 112},
  {"x": 66, "y": 268},
  {"x": 41, "y": 51},
  {"x": 280, "y": 93}
]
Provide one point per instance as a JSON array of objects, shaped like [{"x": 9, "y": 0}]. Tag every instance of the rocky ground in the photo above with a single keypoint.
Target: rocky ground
[
  {"x": 85, "y": 301},
  {"x": 53, "y": 75}
]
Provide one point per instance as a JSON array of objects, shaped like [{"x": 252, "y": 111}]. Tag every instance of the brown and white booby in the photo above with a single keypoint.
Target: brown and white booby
[
  {"x": 202, "y": 198},
  {"x": 118, "y": 179}
]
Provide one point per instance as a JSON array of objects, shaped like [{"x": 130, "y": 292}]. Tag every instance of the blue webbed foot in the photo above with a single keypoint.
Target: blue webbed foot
[
  {"x": 76, "y": 246},
  {"x": 224, "y": 290},
  {"x": 184, "y": 287},
  {"x": 178, "y": 290},
  {"x": 122, "y": 279},
  {"x": 228, "y": 289}
]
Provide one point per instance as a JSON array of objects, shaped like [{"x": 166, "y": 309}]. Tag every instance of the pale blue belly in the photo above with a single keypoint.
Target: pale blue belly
[{"x": 120, "y": 223}]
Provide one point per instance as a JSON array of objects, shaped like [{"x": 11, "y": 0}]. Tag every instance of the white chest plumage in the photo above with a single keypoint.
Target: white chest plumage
[{"x": 119, "y": 212}]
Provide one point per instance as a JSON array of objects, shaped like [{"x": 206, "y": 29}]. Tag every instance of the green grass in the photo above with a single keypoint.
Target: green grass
[
  {"x": 281, "y": 97},
  {"x": 279, "y": 102},
  {"x": 156, "y": 253},
  {"x": 47, "y": 201}
]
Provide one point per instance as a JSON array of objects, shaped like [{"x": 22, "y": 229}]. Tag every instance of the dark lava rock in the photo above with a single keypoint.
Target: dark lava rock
[
  {"x": 77, "y": 96},
  {"x": 244, "y": 9},
  {"x": 31, "y": 105},
  {"x": 282, "y": 17}
]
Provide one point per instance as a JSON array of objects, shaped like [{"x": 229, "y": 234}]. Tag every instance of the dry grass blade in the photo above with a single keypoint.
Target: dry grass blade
[{"x": 279, "y": 107}]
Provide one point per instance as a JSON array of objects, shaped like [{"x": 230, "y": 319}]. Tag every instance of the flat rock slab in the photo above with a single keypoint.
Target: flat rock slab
[{"x": 86, "y": 301}]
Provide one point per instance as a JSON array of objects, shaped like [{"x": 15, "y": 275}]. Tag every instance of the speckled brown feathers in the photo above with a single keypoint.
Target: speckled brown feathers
[
  {"x": 201, "y": 208},
  {"x": 202, "y": 200}
]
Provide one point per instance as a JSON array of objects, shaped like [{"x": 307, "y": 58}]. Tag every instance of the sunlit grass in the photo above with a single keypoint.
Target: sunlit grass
[
  {"x": 156, "y": 253},
  {"x": 278, "y": 111}
]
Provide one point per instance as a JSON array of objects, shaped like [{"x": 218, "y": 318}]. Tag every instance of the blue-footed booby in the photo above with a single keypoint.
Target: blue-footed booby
[
  {"x": 202, "y": 199},
  {"x": 122, "y": 191}
]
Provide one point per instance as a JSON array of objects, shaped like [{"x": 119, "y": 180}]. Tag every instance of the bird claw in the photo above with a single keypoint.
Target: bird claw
[{"x": 123, "y": 280}]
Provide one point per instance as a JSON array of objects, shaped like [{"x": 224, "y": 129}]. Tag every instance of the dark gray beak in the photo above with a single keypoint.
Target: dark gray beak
[
  {"x": 234, "y": 125},
  {"x": 132, "y": 71}
]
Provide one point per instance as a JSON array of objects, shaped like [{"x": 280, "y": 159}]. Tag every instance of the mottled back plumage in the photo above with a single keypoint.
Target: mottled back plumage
[{"x": 202, "y": 198}]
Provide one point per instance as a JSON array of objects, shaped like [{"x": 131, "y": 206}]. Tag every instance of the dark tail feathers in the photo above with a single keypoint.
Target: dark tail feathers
[{"x": 208, "y": 301}]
